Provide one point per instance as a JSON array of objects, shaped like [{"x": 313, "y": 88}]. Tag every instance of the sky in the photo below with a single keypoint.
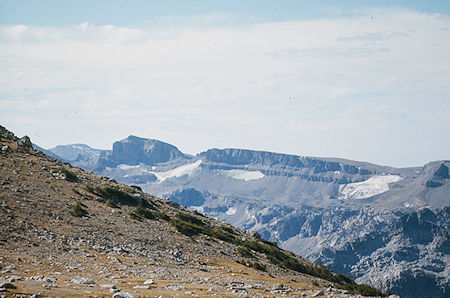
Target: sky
[{"x": 362, "y": 80}]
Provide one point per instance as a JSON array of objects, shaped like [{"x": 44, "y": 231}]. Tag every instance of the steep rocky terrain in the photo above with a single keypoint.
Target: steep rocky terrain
[
  {"x": 347, "y": 214},
  {"x": 66, "y": 232}
]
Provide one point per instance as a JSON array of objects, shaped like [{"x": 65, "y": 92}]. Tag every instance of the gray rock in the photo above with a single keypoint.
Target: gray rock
[
  {"x": 82, "y": 280},
  {"x": 122, "y": 295},
  {"x": 24, "y": 142},
  {"x": 149, "y": 282},
  {"x": 175, "y": 287},
  {"x": 7, "y": 285},
  {"x": 43, "y": 278},
  {"x": 14, "y": 278},
  {"x": 141, "y": 287}
]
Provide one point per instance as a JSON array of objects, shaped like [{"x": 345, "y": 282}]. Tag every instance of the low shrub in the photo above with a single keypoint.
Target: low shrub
[
  {"x": 115, "y": 195},
  {"x": 140, "y": 213},
  {"x": 223, "y": 235},
  {"x": 78, "y": 210},
  {"x": 258, "y": 266},
  {"x": 70, "y": 176},
  {"x": 186, "y": 217},
  {"x": 111, "y": 204},
  {"x": 245, "y": 252},
  {"x": 187, "y": 228},
  {"x": 161, "y": 215}
]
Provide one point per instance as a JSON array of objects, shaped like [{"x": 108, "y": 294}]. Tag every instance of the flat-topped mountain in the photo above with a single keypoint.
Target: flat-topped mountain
[
  {"x": 67, "y": 232},
  {"x": 346, "y": 214},
  {"x": 134, "y": 150}
]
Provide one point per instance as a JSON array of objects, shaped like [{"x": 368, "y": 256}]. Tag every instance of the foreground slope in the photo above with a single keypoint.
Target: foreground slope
[
  {"x": 355, "y": 217},
  {"x": 66, "y": 232}
]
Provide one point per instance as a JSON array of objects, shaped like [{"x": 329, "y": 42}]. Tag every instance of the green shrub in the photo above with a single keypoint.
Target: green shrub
[
  {"x": 90, "y": 189},
  {"x": 78, "y": 210},
  {"x": 269, "y": 242},
  {"x": 245, "y": 252},
  {"x": 258, "y": 266},
  {"x": 223, "y": 235},
  {"x": 161, "y": 215},
  {"x": 115, "y": 195},
  {"x": 140, "y": 212},
  {"x": 111, "y": 204},
  {"x": 191, "y": 225},
  {"x": 135, "y": 216},
  {"x": 75, "y": 191},
  {"x": 229, "y": 230},
  {"x": 253, "y": 245},
  {"x": 363, "y": 290},
  {"x": 70, "y": 176},
  {"x": 186, "y": 217},
  {"x": 187, "y": 228}
]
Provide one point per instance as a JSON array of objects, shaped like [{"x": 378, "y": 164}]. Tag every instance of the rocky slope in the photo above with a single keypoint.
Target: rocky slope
[
  {"x": 66, "y": 232},
  {"x": 346, "y": 214}
]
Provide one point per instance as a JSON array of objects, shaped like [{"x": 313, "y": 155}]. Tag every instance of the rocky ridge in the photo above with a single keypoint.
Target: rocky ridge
[{"x": 66, "y": 232}]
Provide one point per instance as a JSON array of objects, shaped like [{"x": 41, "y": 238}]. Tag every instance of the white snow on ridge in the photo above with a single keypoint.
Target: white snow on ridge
[
  {"x": 366, "y": 189},
  {"x": 128, "y": 167},
  {"x": 177, "y": 172},
  {"x": 242, "y": 174},
  {"x": 231, "y": 211}
]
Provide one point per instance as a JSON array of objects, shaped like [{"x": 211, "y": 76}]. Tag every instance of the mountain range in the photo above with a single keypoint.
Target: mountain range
[
  {"x": 384, "y": 226},
  {"x": 66, "y": 232}
]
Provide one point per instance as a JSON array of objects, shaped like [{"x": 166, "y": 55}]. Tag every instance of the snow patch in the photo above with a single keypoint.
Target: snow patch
[
  {"x": 366, "y": 189},
  {"x": 243, "y": 174},
  {"x": 127, "y": 167},
  {"x": 200, "y": 209},
  {"x": 178, "y": 172},
  {"x": 231, "y": 211}
]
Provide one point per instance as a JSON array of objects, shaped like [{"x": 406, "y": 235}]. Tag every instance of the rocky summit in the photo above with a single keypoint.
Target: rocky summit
[
  {"x": 384, "y": 226},
  {"x": 66, "y": 232}
]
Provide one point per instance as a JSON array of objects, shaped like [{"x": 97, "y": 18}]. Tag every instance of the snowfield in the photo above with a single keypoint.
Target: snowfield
[
  {"x": 177, "y": 172},
  {"x": 242, "y": 174},
  {"x": 366, "y": 189}
]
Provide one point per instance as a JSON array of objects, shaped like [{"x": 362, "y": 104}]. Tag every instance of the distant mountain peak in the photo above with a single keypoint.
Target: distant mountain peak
[{"x": 134, "y": 150}]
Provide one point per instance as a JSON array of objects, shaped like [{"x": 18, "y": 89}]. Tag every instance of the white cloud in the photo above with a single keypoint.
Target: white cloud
[{"x": 299, "y": 83}]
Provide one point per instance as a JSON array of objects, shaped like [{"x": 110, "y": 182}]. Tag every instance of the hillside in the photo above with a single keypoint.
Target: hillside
[
  {"x": 67, "y": 232},
  {"x": 348, "y": 215}
]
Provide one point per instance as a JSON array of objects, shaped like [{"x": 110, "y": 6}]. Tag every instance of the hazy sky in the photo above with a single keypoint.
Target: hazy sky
[{"x": 363, "y": 80}]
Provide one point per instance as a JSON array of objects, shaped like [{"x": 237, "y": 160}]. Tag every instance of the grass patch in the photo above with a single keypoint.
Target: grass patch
[{"x": 78, "y": 210}]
